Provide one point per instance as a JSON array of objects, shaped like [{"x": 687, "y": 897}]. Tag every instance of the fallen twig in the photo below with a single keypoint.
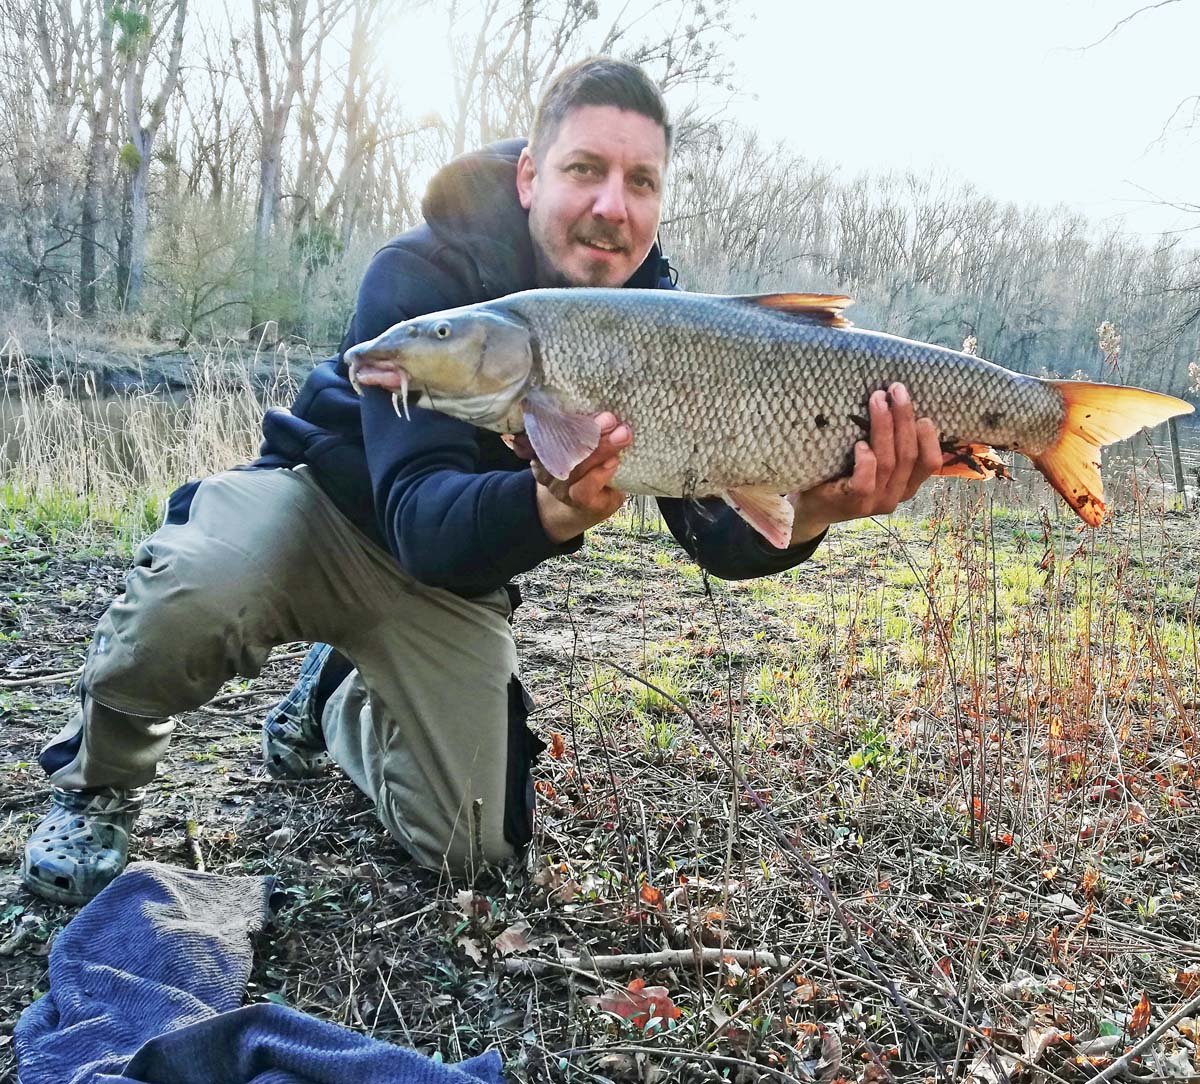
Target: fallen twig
[
  {"x": 1121, "y": 1065},
  {"x": 43, "y": 679},
  {"x": 682, "y": 1055},
  {"x": 191, "y": 830},
  {"x": 630, "y": 961},
  {"x": 388, "y": 923}
]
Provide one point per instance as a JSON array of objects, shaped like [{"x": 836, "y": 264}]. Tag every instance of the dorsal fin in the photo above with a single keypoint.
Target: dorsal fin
[{"x": 821, "y": 308}]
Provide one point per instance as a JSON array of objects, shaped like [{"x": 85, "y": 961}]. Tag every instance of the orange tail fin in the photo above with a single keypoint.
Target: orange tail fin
[{"x": 1097, "y": 415}]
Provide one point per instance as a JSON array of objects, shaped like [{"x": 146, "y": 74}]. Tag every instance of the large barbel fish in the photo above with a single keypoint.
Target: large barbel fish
[{"x": 745, "y": 398}]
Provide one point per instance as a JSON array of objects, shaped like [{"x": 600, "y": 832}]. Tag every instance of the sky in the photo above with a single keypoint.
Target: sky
[{"x": 1000, "y": 93}]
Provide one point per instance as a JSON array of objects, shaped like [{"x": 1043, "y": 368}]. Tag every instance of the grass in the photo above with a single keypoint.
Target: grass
[
  {"x": 94, "y": 468},
  {"x": 978, "y": 722}
]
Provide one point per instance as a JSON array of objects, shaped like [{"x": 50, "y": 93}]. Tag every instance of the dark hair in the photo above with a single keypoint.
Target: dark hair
[{"x": 599, "y": 80}]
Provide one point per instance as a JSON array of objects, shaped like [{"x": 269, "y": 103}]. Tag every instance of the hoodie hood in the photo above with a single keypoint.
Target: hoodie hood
[{"x": 471, "y": 205}]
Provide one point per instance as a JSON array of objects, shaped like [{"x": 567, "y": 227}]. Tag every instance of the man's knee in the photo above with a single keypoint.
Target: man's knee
[
  {"x": 474, "y": 807},
  {"x": 459, "y": 840}
]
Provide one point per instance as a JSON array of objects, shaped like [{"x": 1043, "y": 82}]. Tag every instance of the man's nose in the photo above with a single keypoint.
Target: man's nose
[{"x": 610, "y": 199}]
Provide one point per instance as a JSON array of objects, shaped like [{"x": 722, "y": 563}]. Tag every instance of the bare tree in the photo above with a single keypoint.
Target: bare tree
[
  {"x": 96, "y": 85},
  {"x": 502, "y": 69},
  {"x": 295, "y": 31},
  {"x": 142, "y": 24}
]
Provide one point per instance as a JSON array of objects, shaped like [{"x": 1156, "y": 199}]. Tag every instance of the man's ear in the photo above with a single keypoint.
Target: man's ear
[{"x": 526, "y": 178}]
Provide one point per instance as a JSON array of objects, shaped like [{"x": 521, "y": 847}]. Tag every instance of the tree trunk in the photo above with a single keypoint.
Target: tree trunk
[
  {"x": 124, "y": 243},
  {"x": 268, "y": 201},
  {"x": 88, "y": 222},
  {"x": 139, "y": 194}
]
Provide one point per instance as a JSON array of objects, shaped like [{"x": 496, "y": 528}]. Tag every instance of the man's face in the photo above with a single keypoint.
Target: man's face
[{"x": 595, "y": 196}]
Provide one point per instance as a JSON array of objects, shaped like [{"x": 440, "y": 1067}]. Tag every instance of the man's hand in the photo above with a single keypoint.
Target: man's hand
[
  {"x": 570, "y": 506},
  {"x": 890, "y": 467}
]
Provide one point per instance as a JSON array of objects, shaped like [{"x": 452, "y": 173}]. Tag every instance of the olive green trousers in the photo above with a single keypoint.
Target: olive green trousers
[{"x": 430, "y": 726}]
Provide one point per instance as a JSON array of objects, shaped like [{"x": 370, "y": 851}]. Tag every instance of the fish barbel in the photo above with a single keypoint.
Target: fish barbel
[{"x": 747, "y": 397}]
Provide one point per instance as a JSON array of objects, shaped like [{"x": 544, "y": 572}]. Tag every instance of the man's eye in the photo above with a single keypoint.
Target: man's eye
[
  {"x": 646, "y": 183},
  {"x": 582, "y": 168}
]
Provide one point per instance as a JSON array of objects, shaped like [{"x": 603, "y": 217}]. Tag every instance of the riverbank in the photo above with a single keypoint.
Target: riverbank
[{"x": 94, "y": 365}]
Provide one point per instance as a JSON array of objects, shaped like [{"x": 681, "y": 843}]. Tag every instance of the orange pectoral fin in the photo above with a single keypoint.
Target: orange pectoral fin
[
  {"x": 1097, "y": 415},
  {"x": 975, "y": 461}
]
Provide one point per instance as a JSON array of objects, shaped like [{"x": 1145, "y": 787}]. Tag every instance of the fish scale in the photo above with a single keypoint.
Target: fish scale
[
  {"x": 716, "y": 425},
  {"x": 747, "y": 398}
]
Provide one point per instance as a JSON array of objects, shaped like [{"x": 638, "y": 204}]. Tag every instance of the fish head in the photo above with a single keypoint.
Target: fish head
[{"x": 472, "y": 363}]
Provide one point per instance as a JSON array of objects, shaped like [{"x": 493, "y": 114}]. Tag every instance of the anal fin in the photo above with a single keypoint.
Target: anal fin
[
  {"x": 975, "y": 461},
  {"x": 765, "y": 510}
]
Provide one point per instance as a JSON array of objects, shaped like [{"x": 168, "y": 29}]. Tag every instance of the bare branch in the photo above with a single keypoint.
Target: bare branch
[{"x": 1121, "y": 22}]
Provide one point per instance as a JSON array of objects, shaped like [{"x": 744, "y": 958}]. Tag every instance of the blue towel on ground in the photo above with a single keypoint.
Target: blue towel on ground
[{"x": 161, "y": 957}]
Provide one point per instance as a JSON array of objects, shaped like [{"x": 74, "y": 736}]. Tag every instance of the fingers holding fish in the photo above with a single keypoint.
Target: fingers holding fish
[
  {"x": 906, "y": 451},
  {"x": 586, "y": 497},
  {"x": 929, "y": 450},
  {"x": 900, "y": 455}
]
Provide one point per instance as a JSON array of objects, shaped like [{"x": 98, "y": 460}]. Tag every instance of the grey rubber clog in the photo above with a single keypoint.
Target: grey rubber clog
[{"x": 81, "y": 844}]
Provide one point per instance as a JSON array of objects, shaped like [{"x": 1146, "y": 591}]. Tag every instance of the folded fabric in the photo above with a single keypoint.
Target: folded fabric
[
  {"x": 274, "y": 1044},
  {"x": 161, "y": 957}
]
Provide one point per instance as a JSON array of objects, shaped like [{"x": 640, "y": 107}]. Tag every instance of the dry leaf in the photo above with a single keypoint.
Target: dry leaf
[
  {"x": 638, "y": 1003},
  {"x": 804, "y": 991},
  {"x": 1038, "y": 1039},
  {"x": 651, "y": 896},
  {"x": 472, "y": 905},
  {"x": 1175, "y": 1066},
  {"x": 619, "y": 1066},
  {"x": 513, "y": 940},
  {"x": 548, "y": 878},
  {"x": 281, "y": 837},
  {"x": 874, "y": 1073},
  {"x": 831, "y": 1055},
  {"x": 558, "y": 747},
  {"x": 471, "y": 947},
  {"x": 992, "y": 1068},
  {"x": 566, "y": 892},
  {"x": 1139, "y": 1020},
  {"x": 1188, "y": 982},
  {"x": 1136, "y": 813}
]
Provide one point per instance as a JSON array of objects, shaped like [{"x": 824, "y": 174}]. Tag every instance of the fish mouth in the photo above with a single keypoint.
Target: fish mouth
[{"x": 356, "y": 357}]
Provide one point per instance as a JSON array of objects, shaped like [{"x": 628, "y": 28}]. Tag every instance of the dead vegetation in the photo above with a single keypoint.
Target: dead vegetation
[{"x": 965, "y": 845}]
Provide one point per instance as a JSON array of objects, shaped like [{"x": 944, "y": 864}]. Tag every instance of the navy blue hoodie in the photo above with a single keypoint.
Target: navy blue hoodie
[{"x": 454, "y": 505}]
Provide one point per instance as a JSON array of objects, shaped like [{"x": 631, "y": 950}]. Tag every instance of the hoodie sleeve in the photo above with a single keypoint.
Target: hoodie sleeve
[
  {"x": 724, "y": 544},
  {"x": 447, "y": 525},
  {"x": 398, "y": 285}
]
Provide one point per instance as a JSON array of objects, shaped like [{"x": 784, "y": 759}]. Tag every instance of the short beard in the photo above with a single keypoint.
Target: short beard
[{"x": 546, "y": 276}]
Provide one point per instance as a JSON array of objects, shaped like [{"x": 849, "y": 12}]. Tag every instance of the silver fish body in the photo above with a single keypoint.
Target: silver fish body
[
  {"x": 722, "y": 394},
  {"x": 743, "y": 397}
]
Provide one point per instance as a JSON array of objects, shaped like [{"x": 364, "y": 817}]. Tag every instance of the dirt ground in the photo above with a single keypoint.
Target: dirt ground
[{"x": 944, "y": 946}]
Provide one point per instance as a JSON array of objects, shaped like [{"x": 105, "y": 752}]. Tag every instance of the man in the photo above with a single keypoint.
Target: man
[{"x": 393, "y": 543}]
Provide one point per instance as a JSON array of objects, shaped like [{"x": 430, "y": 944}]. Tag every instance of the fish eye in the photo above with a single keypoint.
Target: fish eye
[{"x": 442, "y": 331}]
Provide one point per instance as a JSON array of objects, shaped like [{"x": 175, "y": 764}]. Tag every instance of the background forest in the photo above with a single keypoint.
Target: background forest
[{"x": 194, "y": 171}]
